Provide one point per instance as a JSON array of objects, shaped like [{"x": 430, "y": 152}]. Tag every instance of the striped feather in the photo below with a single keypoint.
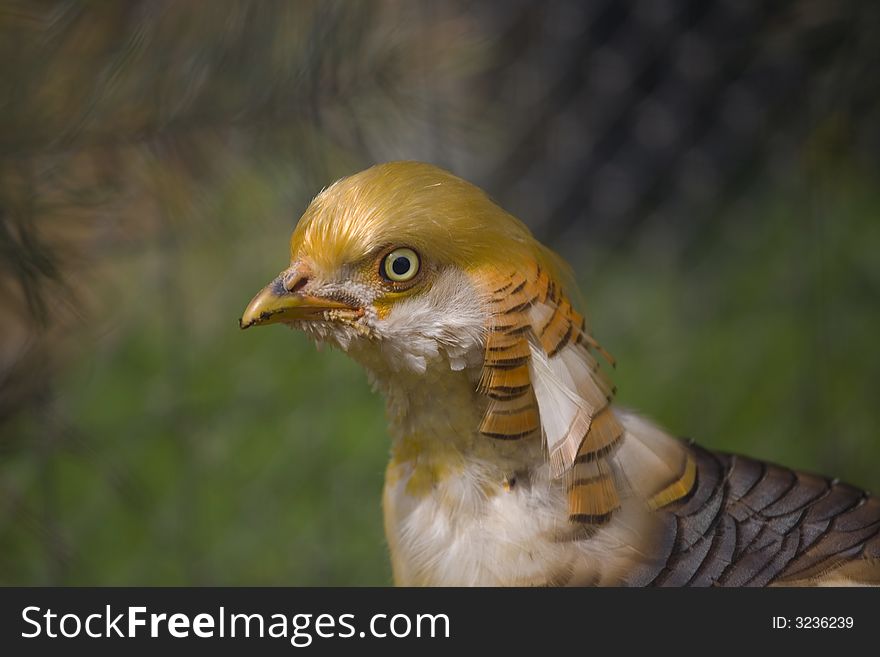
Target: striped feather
[
  {"x": 679, "y": 488},
  {"x": 593, "y": 499},
  {"x": 494, "y": 377},
  {"x": 593, "y": 492},
  {"x": 511, "y": 419},
  {"x": 557, "y": 332},
  {"x": 508, "y": 350},
  {"x": 544, "y": 381},
  {"x": 605, "y": 431}
]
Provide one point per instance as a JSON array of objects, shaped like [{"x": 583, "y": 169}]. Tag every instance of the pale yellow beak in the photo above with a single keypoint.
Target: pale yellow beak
[{"x": 274, "y": 303}]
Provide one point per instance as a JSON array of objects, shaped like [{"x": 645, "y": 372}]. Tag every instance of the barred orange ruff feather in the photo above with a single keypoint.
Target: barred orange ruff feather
[
  {"x": 528, "y": 311},
  {"x": 593, "y": 499}
]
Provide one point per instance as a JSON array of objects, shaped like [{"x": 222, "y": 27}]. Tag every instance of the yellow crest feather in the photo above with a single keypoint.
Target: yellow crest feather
[{"x": 414, "y": 204}]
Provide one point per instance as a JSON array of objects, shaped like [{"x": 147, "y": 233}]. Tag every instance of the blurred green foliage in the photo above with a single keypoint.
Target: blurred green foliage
[{"x": 146, "y": 440}]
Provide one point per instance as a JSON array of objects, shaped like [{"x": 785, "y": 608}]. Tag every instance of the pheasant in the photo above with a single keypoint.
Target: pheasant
[{"x": 510, "y": 465}]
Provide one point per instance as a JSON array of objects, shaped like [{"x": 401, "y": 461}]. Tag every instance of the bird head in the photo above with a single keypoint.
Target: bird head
[
  {"x": 397, "y": 264},
  {"x": 406, "y": 266}
]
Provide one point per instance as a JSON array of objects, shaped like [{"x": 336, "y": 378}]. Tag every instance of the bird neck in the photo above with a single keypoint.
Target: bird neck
[{"x": 434, "y": 417}]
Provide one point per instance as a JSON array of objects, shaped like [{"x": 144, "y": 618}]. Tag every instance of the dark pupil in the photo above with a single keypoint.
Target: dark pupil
[{"x": 400, "y": 265}]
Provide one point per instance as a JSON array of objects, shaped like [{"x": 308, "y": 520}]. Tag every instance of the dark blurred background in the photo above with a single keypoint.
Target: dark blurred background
[{"x": 709, "y": 168}]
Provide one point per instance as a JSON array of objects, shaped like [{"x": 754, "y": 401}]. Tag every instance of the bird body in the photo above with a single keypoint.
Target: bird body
[{"x": 510, "y": 463}]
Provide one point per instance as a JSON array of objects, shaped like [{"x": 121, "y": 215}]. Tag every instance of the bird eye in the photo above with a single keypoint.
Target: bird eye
[{"x": 400, "y": 266}]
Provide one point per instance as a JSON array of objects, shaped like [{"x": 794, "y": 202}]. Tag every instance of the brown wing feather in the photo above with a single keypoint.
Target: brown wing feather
[{"x": 748, "y": 523}]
